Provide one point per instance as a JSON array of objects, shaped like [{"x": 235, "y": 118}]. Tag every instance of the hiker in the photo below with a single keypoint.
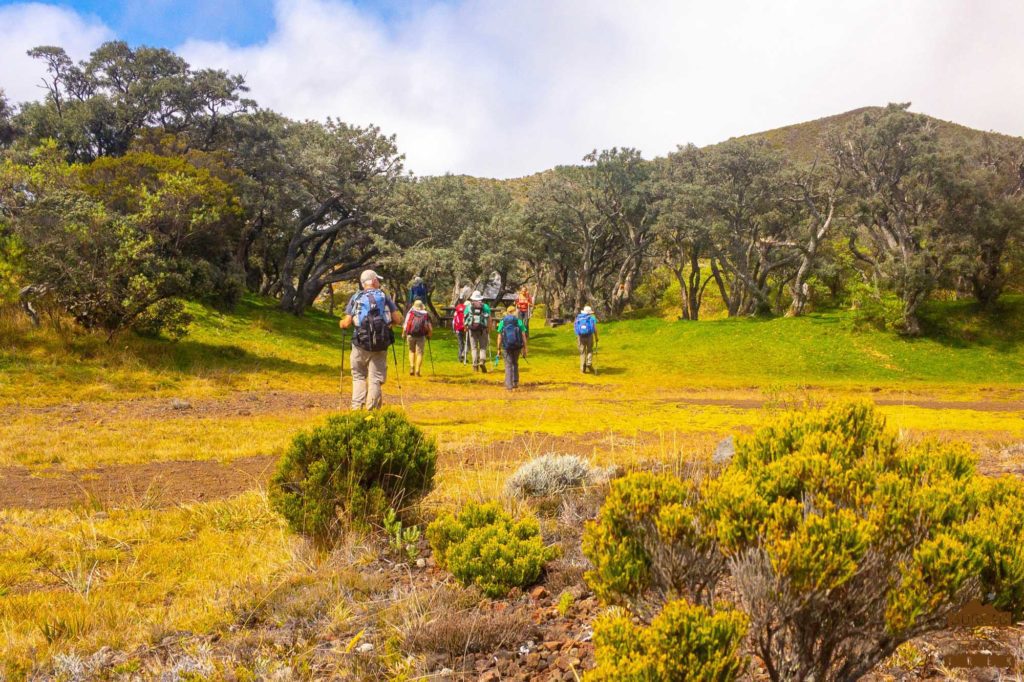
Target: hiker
[
  {"x": 586, "y": 338},
  {"x": 512, "y": 337},
  {"x": 418, "y": 291},
  {"x": 373, "y": 313},
  {"x": 524, "y": 306},
  {"x": 478, "y": 320},
  {"x": 417, "y": 330},
  {"x": 459, "y": 326}
]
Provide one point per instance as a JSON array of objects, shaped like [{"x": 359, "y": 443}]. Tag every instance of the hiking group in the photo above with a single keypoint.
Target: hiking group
[{"x": 371, "y": 314}]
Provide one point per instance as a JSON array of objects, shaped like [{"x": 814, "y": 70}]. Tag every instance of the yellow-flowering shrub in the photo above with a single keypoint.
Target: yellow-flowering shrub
[
  {"x": 841, "y": 541},
  {"x": 486, "y": 547},
  {"x": 683, "y": 642}
]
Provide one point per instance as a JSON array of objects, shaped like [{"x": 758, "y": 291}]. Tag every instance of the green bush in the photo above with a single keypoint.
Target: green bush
[
  {"x": 683, "y": 642},
  {"x": 351, "y": 470},
  {"x": 486, "y": 547},
  {"x": 841, "y": 542},
  {"x": 875, "y": 308}
]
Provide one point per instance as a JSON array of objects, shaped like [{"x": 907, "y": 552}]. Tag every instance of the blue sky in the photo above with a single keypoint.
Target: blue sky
[
  {"x": 168, "y": 23},
  {"x": 504, "y": 88}
]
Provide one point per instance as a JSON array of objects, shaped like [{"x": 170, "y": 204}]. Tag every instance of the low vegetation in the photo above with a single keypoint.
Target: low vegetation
[
  {"x": 351, "y": 471},
  {"x": 683, "y": 642},
  {"x": 840, "y": 541},
  {"x": 486, "y": 547}
]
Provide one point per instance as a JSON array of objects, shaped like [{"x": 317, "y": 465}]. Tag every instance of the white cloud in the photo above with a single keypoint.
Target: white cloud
[
  {"x": 27, "y": 25},
  {"x": 500, "y": 88}
]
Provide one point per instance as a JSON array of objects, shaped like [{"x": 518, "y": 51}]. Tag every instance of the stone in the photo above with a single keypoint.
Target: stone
[
  {"x": 179, "y": 404},
  {"x": 364, "y": 648},
  {"x": 490, "y": 676},
  {"x": 421, "y": 563},
  {"x": 539, "y": 592}
]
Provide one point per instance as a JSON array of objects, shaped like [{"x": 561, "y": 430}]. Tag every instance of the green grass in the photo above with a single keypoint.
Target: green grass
[{"x": 259, "y": 348}]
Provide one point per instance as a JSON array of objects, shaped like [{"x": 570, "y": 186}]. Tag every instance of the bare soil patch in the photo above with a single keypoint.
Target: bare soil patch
[{"x": 153, "y": 485}]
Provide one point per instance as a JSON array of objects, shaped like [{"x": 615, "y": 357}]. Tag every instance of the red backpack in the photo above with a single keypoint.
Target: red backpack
[{"x": 419, "y": 324}]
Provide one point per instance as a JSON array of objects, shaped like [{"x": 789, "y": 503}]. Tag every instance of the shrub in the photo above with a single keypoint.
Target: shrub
[
  {"x": 486, "y": 547},
  {"x": 650, "y": 545},
  {"x": 841, "y": 542},
  {"x": 549, "y": 475},
  {"x": 683, "y": 642},
  {"x": 352, "y": 469}
]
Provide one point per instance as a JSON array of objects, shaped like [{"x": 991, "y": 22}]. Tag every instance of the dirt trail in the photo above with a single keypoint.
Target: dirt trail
[
  {"x": 275, "y": 402},
  {"x": 158, "y": 484},
  {"x": 161, "y": 484}
]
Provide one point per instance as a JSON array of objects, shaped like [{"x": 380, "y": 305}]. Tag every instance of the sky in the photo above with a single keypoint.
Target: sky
[{"x": 504, "y": 89}]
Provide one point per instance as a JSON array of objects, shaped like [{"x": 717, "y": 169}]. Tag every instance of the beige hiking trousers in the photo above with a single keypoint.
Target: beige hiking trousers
[{"x": 369, "y": 372}]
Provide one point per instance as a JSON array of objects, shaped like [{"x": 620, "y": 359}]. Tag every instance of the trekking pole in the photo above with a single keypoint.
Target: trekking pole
[
  {"x": 430, "y": 352},
  {"x": 341, "y": 377},
  {"x": 398, "y": 379}
]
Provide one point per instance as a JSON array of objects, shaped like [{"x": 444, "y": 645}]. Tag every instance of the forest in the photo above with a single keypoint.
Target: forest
[{"x": 139, "y": 183}]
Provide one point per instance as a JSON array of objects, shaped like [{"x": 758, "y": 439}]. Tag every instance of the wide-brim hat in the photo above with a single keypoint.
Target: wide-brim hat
[
  {"x": 418, "y": 305},
  {"x": 477, "y": 296},
  {"x": 587, "y": 310}
]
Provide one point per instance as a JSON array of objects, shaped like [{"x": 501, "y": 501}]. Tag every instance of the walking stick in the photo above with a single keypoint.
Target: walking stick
[
  {"x": 394, "y": 355},
  {"x": 430, "y": 351},
  {"x": 341, "y": 377}
]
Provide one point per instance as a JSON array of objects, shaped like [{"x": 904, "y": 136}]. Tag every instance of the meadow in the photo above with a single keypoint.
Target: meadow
[{"x": 130, "y": 568}]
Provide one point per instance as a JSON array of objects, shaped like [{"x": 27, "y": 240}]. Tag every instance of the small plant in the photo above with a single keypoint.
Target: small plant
[
  {"x": 683, "y": 642},
  {"x": 549, "y": 474},
  {"x": 351, "y": 470},
  {"x": 565, "y": 602},
  {"x": 403, "y": 540},
  {"x": 486, "y": 547}
]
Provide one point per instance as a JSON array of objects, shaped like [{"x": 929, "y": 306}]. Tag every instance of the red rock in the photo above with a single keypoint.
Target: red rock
[
  {"x": 490, "y": 676},
  {"x": 539, "y": 592}
]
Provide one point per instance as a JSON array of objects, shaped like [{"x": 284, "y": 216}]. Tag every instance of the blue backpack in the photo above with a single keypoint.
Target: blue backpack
[
  {"x": 585, "y": 325},
  {"x": 511, "y": 334}
]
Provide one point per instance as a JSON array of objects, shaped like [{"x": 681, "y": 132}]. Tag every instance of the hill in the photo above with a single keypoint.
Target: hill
[{"x": 803, "y": 140}]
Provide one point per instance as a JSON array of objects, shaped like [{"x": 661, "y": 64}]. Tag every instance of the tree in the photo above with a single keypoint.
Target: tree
[
  {"x": 115, "y": 241},
  {"x": 894, "y": 169},
  {"x": 621, "y": 190},
  {"x": 683, "y": 227},
  {"x": 741, "y": 193},
  {"x": 817, "y": 192},
  {"x": 96, "y": 107},
  {"x": 984, "y": 216},
  {"x": 337, "y": 212},
  {"x": 579, "y": 251},
  {"x": 7, "y": 130}
]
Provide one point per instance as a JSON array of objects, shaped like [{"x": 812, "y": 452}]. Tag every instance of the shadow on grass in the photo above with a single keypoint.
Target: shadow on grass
[{"x": 963, "y": 324}]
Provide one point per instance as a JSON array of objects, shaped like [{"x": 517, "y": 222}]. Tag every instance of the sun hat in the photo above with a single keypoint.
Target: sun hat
[
  {"x": 369, "y": 276},
  {"x": 477, "y": 296},
  {"x": 510, "y": 310},
  {"x": 418, "y": 305},
  {"x": 417, "y": 279},
  {"x": 587, "y": 310}
]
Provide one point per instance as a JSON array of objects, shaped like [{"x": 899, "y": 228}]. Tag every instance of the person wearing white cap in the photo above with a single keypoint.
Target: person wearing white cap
[
  {"x": 585, "y": 327},
  {"x": 478, "y": 320},
  {"x": 373, "y": 313}
]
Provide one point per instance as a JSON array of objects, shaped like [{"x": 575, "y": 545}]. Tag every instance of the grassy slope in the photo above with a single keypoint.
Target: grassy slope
[
  {"x": 260, "y": 348},
  {"x": 803, "y": 140},
  {"x": 74, "y": 580},
  {"x": 650, "y": 362}
]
